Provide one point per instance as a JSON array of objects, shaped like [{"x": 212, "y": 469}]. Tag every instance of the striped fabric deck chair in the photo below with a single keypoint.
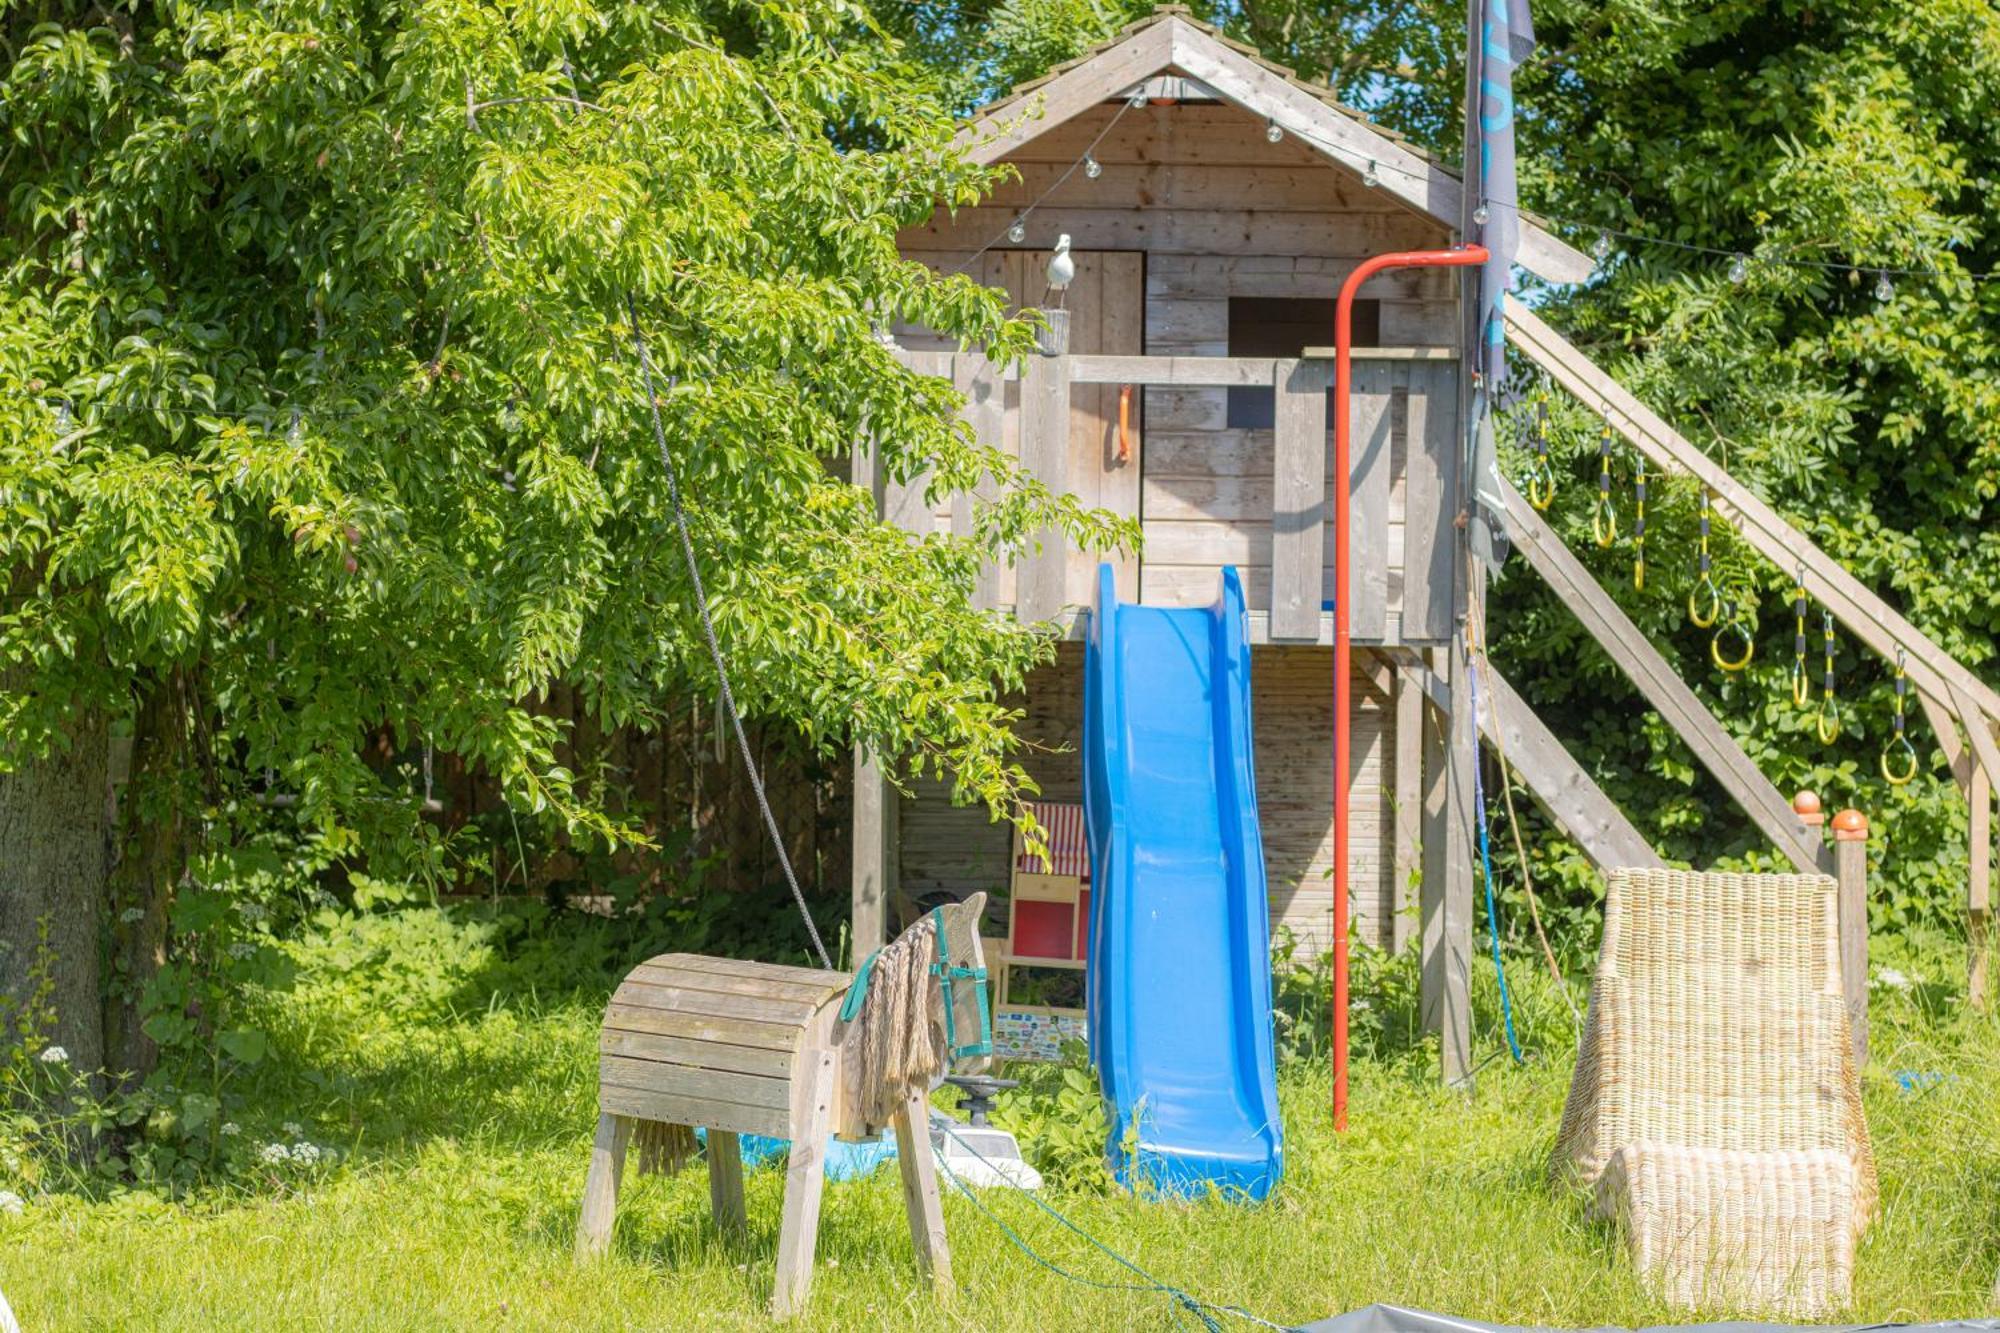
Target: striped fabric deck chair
[{"x": 1715, "y": 1112}]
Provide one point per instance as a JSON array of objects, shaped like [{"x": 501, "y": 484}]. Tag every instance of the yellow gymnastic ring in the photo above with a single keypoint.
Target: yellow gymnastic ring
[
  {"x": 1604, "y": 523},
  {"x": 1715, "y": 647},
  {"x": 1827, "y": 723},
  {"x": 1701, "y": 621},
  {"x": 1801, "y": 686},
  {"x": 1909, "y": 751},
  {"x": 1541, "y": 487},
  {"x": 1639, "y": 574}
]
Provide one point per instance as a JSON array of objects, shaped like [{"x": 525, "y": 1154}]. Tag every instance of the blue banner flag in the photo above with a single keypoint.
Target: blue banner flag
[{"x": 1506, "y": 38}]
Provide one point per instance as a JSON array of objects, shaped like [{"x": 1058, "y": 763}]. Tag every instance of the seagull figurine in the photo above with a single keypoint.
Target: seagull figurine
[{"x": 1062, "y": 269}]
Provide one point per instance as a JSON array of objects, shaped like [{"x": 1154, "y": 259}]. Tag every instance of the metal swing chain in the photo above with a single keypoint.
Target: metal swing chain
[
  {"x": 1604, "y": 519},
  {"x": 1705, "y": 584},
  {"x": 715, "y": 646},
  {"x": 1639, "y": 527},
  {"x": 1827, "y": 724},
  {"x": 1899, "y": 746},
  {"x": 1541, "y": 476},
  {"x": 1801, "y": 679}
]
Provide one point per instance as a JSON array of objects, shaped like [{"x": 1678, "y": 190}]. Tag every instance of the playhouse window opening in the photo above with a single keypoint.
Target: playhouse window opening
[{"x": 1285, "y": 326}]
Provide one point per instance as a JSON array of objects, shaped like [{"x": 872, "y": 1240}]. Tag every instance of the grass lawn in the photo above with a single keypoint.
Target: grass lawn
[{"x": 467, "y": 1129}]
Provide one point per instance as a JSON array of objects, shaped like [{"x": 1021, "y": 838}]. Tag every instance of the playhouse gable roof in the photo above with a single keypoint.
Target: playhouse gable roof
[{"x": 1172, "y": 42}]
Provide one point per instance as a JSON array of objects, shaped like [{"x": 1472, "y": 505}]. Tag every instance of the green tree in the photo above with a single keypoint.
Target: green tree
[
  {"x": 320, "y": 415},
  {"x": 1860, "y": 135}
]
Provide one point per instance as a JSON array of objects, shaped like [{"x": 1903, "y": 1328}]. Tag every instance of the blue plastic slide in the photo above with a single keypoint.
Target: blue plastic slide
[{"x": 1179, "y": 986}]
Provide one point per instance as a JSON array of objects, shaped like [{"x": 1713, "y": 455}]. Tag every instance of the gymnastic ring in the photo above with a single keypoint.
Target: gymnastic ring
[
  {"x": 1827, "y": 723},
  {"x": 1801, "y": 686},
  {"x": 1701, "y": 621},
  {"x": 1749, "y": 647},
  {"x": 1604, "y": 523},
  {"x": 1909, "y": 751},
  {"x": 1541, "y": 481}
]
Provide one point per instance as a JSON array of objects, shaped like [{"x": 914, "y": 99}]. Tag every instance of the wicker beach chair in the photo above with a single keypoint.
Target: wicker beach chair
[{"x": 1715, "y": 1111}]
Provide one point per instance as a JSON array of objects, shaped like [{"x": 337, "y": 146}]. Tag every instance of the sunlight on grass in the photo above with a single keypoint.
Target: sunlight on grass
[{"x": 468, "y": 1128}]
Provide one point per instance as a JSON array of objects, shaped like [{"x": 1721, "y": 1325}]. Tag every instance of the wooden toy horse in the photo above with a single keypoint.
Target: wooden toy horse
[{"x": 796, "y": 1053}]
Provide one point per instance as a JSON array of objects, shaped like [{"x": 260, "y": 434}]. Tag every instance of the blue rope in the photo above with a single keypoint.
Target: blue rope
[
  {"x": 1486, "y": 870},
  {"x": 1183, "y": 1301}
]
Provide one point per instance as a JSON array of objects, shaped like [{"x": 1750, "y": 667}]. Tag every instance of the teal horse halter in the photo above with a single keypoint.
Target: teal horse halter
[{"x": 946, "y": 975}]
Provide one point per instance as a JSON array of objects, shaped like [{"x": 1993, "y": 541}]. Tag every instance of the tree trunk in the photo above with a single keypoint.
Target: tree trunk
[
  {"x": 152, "y": 854},
  {"x": 52, "y": 869}
]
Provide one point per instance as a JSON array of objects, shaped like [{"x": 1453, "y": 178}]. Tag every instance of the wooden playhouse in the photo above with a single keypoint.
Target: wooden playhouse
[{"x": 1214, "y": 202}]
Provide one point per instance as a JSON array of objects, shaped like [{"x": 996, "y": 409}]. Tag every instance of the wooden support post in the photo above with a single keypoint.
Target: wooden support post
[
  {"x": 1850, "y": 864},
  {"x": 1446, "y": 890},
  {"x": 600, "y": 1188},
  {"x": 1041, "y": 580},
  {"x": 1979, "y": 885},
  {"x": 725, "y": 1181},
  {"x": 805, "y": 1179},
  {"x": 1409, "y": 779},
  {"x": 876, "y": 854},
  {"x": 920, "y": 1190}
]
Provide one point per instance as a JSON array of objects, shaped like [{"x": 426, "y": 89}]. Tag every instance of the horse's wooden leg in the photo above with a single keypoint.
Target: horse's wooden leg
[
  {"x": 600, "y": 1189},
  {"x": 805, "y": 1178},
  {"x": 920, "y": 1189},
  {"x": 725, "y": 1180}
]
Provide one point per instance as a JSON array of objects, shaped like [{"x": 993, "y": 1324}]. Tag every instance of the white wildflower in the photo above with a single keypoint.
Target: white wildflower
[
  {"x": 54, "y": 1055},
  {"x": 1892, "y": 978},
  {"x": 230, "y": 1129},
  {"x": 292, "y": 1128},
  {"x": 274, "y": 1154},
  {"x": 242, "y": 949},
  {"x": 11, "y": 1203},
  {"x": 305, "y": 1154},
  {"x": 251, "y": 911},
  {"x": 132, "y": 915}
]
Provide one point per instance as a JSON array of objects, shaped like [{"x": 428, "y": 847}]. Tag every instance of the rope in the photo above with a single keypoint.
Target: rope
[
  {"x": 1486, "y": 870},
  {"x": 714, "y": 646},
  {"x": 1183, "y": 1299}
]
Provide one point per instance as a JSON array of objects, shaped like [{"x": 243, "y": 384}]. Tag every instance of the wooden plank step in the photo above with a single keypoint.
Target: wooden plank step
[{"x": 641, "y": 994}]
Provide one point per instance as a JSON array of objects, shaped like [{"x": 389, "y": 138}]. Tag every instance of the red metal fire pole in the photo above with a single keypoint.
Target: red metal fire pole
[{"x": 1343, "y": 336}]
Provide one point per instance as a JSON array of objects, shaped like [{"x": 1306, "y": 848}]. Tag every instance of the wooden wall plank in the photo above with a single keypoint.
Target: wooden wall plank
[
  {"x": 1299, "y": 499},
  {"x": 1369, "y": 460},
  {"x": 1430, "y": 586},
  {"x": 979, "y": 380}
]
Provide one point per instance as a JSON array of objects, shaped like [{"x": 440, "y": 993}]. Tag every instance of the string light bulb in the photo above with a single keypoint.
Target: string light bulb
[
  {"x": 1885, "y": 290},
  {"x": 1092, "y": 168},
  {"x": 1137, "y": 100},
  {"x": 295, "y": 431},
  {"x": 1481, "y": 214},
  {"x": 1600, "y": 249},
  {"x": 1739, "y": 269},
  {"x": 1371, "y": 178},
  {"x": 1018, "y": 232},
  {"x": 1273, "y": 131}
]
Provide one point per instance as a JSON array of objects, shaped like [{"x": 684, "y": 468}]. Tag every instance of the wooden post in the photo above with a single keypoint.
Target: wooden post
[
  {"x": 1850, "y": 863},
  {"x": 1409, "y": 779},
  {"x": 725, "y": 1181},
  {"x": 920, "y": 1189},
  {"x": 600, "y": 1189},
  {"x": 805, "y": 1179},
  {"x": 1042, "y": 576},
  {"x": 876, "y": 854},
  {"x": 1298, "y": 507},
  {"x": 1445, "y": 895},
  {"x": 1979, "y": 883}
]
